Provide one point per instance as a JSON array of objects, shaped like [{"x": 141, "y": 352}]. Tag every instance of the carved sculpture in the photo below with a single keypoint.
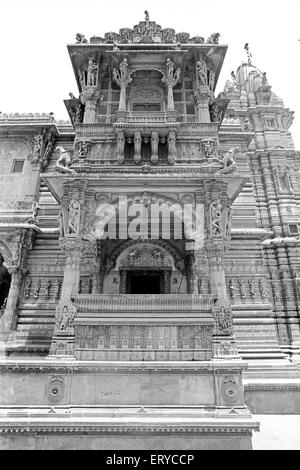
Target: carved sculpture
[
  {"x": 228, "y": 163},
  {"x": 37, "y": 289},
  {"x": 208, "y": 148},
  {"x": 81, "y": 74},
  {"x": 65, "y": 317},
  {"x": 213, "y": 38},
  {"x": 64, "y": 161},
  {"x": 83, "y": 149},
  {"x": 211, "y": 80},
  {"x": 48, "y": 289},
  {"x": 92, "y": 73},
  {"x": 223, "y": 320},
  {"x": 263, "y": 289},
  {"x": 215, "y": 210},
  {"x": 27, "y": 288},
  {"x": 137, "y": 147},
  {"x": 154, "y": 146},
  {"x": 253, "y": 292},
  {"x": 81, "y": 39},
  {"x": 74, "y": 217},
  {"x": 242, "y": 289},
  {"x": 120, "y": 147},
  {"x": 34, "y": 212},
  {"x": 172, "y": 152},
  {"x": 201, "y": 73},
  {"x": 232, "y": 289},
  {"x": 57, "y": 289}
]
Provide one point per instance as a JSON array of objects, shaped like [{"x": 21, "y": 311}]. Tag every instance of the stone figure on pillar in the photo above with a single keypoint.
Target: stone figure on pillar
[
  {"x": 65, "y": 317},
  {"x": 74, "y": 218},
  {"x": 81, "y": 74},
  {"x": 201, "y": 72},
  {"x": 92, "y": 73},
  {"x": 172, "y": 152},
  {"x": 120, "y": 147},
  {"x": 137, "y": 146},
  {"x": 154, "y": 146},
  {"x": 211, "y": 80},
  {"x": 216, "y": 218},
  {"x": 122, "y": 78},
  {"x": 171, "y": 80}
]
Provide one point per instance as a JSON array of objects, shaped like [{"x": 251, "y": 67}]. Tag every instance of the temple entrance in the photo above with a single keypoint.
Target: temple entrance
[{"x": 144, "y": 282}]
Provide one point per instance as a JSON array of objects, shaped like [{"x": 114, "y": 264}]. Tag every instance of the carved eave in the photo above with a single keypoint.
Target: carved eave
[
  {"x": 137, "y": 182},
  {"x": 71, "y": 108},
  {"x": 214, "y": 54},
  {"x": 23, "y": 127}
]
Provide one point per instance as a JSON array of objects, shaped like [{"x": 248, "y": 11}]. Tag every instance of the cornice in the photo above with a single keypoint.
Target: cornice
[{"x": 98, "y": 428}]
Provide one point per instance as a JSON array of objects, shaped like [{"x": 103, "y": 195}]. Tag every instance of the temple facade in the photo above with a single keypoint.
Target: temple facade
[{"x": 150, "y": 261}]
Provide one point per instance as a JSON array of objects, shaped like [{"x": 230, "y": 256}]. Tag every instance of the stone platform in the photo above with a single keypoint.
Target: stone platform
[{"x": 124, "y": 405}]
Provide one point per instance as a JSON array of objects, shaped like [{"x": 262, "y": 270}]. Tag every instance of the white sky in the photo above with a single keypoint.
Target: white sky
[{"x": 36, "y": 72}]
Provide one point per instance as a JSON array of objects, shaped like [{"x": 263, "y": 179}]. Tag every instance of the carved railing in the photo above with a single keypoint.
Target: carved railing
[
  {"x": 147, "y": 302},
  {"x": 151, "y": 117}
]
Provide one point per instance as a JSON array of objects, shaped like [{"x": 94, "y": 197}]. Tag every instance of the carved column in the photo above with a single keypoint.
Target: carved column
[
  {"x": 17, "y": 268},
  {"x": 154, "y": 146},
  {"x": 73, "y": 249},
  {"x": 137, "y": 147},
  {"x": 217, "y": 234},
  {"x": 122, "y": 78},
  {"x": 171, "y": 79},
  {"x": 202, "y": 97},
  {"x": 89, "y": 98}
]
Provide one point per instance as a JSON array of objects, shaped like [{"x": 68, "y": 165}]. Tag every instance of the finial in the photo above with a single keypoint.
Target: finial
[
  {"x": 147, "y": 16},
  {"x": 249, "y": 55}
]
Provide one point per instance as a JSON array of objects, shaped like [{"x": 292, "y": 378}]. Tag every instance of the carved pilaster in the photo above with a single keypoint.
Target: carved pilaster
[{"x": 17, "y": 266}]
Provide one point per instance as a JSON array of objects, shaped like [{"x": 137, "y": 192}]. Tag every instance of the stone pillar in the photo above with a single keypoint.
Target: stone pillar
[
  {"x": 167, "y": 281},
  {"x": 89, "y": 98},
  {"x": 10, "y": 316},
  {"x": 122, "y": 78},
  {"x": 202, "y": 97},
  {"x": 171, "y": 79},
  {"x": 73, "y": 249},
  {"x": 137, "y": 147},
  {"x": 154, "y": 146}
]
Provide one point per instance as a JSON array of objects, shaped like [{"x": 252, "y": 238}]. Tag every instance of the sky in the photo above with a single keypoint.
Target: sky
[{"x": 36, "y": 72}]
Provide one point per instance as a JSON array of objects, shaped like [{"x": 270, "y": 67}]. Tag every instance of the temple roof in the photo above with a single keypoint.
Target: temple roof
[{"x": 147, "y": 32}]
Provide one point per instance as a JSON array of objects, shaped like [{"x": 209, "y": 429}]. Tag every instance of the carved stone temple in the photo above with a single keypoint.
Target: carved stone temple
[{"x": 150, "y": 253}]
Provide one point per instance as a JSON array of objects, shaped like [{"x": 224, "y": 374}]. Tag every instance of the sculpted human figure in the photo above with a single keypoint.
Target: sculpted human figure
[
  {"x": 81, "y": 74},
  {"x": 27, "y": 288},
  {"x": 37, "y": 144},
  {"x": 216, "y": 218},
  {"x": 92, "y": 73},
  {"x": 74, "y": 217},
  {"x": 172, "y": 147},
  {"x": 124, "y": 68},
  {"x": 201, "y": 72},
  {"x": 211, "y": 80}
]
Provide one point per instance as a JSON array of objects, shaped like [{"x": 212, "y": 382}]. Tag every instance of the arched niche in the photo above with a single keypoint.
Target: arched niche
[{"x": 145, "y": 268}]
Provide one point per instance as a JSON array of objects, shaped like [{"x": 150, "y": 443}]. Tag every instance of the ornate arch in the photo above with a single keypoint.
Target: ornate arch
[{"x": 175, "y": 253}]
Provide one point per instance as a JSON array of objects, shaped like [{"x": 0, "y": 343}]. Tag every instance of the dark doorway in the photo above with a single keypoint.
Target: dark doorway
[
  {"x": 144, "y": 282},
  {"x": 5, "y": 279}
]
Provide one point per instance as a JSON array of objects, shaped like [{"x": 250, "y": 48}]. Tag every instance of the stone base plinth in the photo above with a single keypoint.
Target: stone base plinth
[
  {"x": 65, "y": 404},
  {"x": 149, "y": 428}
]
